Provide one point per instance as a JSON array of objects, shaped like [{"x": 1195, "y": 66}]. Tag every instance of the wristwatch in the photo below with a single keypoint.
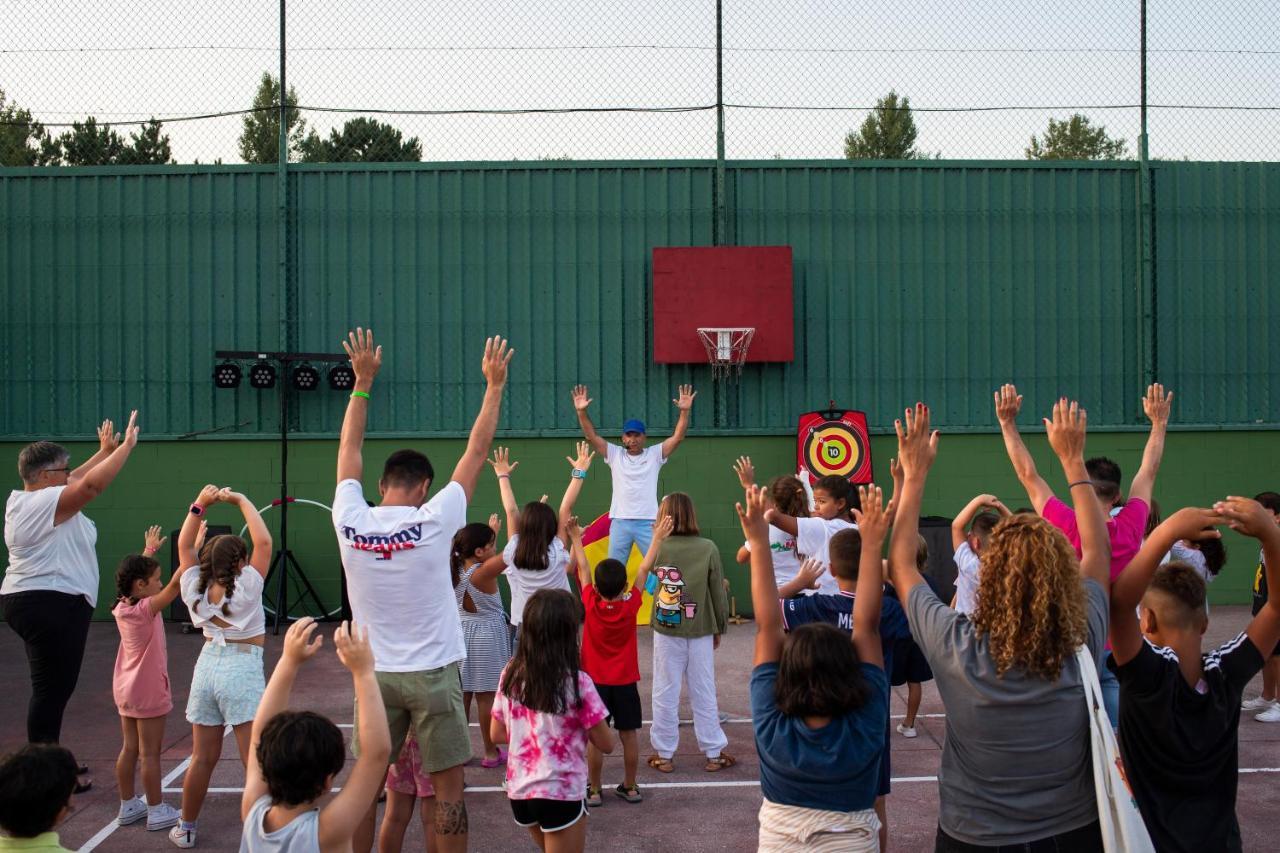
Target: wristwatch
[
  {"x": 579, "y": 474},
  {"x": 196, "y": 509}
]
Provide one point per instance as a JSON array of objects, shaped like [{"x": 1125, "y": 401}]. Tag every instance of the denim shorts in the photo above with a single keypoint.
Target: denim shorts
[{"x": 226, "y": 685}]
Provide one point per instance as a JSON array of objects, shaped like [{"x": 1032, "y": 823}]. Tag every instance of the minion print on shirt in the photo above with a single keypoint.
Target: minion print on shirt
[{"x": 670, "y": 605}]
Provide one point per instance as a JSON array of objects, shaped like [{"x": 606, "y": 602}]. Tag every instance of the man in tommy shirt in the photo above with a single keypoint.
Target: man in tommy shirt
[{"x": 396, "y": 559}]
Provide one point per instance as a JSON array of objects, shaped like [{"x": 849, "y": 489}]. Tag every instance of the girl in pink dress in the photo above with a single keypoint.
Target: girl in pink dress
[
  {"x": 140, "y": 683},
  {"x": 548, "y": 710}
]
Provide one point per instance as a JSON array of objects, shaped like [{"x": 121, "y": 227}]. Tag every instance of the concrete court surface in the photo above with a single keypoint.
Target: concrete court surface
[{"x": 689, "y": 810}]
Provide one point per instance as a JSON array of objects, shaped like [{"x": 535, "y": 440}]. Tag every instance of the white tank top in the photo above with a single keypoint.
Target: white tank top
[{"x": 300, "y": 835}]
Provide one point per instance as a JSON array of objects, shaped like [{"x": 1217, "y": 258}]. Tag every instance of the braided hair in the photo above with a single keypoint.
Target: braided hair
[
  {"x": 220, "y": 561},
  {"x": 133, "y": 568}
]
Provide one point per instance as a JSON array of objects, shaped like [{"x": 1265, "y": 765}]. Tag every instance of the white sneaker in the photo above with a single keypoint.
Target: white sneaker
[
  {"x": 1271, "y": 715},
  {"x": 132, "y": 811},
  {"x": 906, "y": 731},
  {"x": 162, "y": 816},
  {"x": 1257, "y": 703},
  {"x": 183, "y": 838}
]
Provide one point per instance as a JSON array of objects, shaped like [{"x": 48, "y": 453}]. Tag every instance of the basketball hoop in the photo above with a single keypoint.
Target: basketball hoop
[{"x": 726, "y": 349}]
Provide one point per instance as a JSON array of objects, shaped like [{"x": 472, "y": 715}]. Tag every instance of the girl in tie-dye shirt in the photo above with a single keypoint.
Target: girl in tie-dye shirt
[{"x": 548, "y": 709}]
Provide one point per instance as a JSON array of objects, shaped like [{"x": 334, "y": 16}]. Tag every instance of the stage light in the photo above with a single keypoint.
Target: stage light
[
  {"x": 305, "y": 378},
  {"x": 342, "y": 377},
  {"x": 226, "y": 375},
  {"x": 262, "y": 375}
]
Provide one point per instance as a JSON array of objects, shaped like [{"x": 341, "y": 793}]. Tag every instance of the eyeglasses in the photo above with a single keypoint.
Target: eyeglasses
[{"x": 55, "y": 470}]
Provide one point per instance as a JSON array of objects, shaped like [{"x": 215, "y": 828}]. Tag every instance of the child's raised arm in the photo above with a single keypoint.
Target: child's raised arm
[
  {"x": 578, "y": 554},
  {"x": 807, "y": 577},
  {"x": 661, "y": 530},
  {"x": 188, "y": 549},
  {"x": 874, "y": 527},
  {"x": 917, "y": 448},
  {"x": 258, "y": 533},
  {"x": 299, "y": 647},
  {"x": 1252, "y": 519},
  {"x": 577, "y": 475},
  {"x": 782, "y": 521},
  {"x": 339, "y": 819},
  {"x": 1156, "y": 405},
  {"x": 764, "y": 584},
  {"x": 959, "y": 527},
  {"x": 503, "y": 468},
  {"x": 1008, "y": 404},
  {"x": 1066, "y": 431},
  {"x": 153, "y": 541}
]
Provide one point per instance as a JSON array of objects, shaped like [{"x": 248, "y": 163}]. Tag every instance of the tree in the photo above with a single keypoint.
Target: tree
[
  {"x": 361, "y": 140},
  {"x": 260, "y": 138},
  {"x": 89, "y": 144},
  {"x": 150, "y": 145},
  {"x": 1076, "y": 138},
  {"x": 889, "y": 133},
  {"x": 22, "y": 138}
]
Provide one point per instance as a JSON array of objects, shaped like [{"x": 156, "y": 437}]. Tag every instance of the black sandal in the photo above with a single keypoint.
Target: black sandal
[{"x": 83, "y": 787}]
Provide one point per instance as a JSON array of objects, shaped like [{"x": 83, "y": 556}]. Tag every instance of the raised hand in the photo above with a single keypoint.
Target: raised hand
[
  {"x": 229, "y": 496},
  {"x": 917, "y": 446},
  {"x": 108, "y": 438},
  {"x": 501, "y": 462},
  {"x": 752, "y": 517},
  {"x": 876, "y": 516},
  {"x": 998, "y": 506},
  {"x": 1246, "y": 516},
  {"x": 1008, "y": 404},
  {"x": 299, "y": 646},
  {"x": 1156, "y": 404},
  {"x": 208, "y": 495},
  {"x": 684, "y": 401},
  {"x": 1195, "y": 524},
  {"x": 496, "y": 359},
  {"x": 153, "y": 539},
  {"x": 131, "y": 431},
  {"x": 366, "y": 359},
  {"x": 580, "y": 398},
  {"x": 200, "y": 535},
  {"x": 353, "y": 648},
  {"x": 583, "y": 460},
  {"x": 745, "y": 470},
  {"x": 1067, "y": 429},
  {"x": 810, "y": 573},
  {"x": 495, "y": 523},
  {"x": 662, "y": 528},
  {"x": 573, "y": 529}
]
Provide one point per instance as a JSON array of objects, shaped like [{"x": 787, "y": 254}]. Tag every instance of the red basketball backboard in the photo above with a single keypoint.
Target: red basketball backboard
[{"x": 722, "y": 286}]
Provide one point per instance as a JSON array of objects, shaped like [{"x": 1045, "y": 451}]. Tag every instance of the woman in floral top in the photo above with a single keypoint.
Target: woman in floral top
[{"x": 548, "y": 709}]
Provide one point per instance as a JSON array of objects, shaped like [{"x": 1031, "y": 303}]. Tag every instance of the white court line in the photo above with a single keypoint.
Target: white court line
[{"x": 104, "y": 833}]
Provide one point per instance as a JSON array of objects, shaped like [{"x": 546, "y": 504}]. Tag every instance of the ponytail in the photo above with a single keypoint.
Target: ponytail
[
  {"x": 466, "y": 542},
  {"x": 220, "y": 561},
  {"x": 133, "y": 568}
]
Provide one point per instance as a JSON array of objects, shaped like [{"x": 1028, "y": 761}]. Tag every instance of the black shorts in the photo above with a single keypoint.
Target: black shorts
[
  {"x": 548, "y": 815},
  {"x": 884, "y": 786},
  {"x": 623, "y": 702},
  {"x": 909, "y": 664}
]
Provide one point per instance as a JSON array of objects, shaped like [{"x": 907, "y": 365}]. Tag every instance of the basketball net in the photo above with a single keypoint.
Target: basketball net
[{"x": 726, "y": 349}]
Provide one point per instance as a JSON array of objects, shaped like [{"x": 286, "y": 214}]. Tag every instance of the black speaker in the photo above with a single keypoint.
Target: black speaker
[
  {"x": 178, "y": 610},
  {"x": 941, "y": 571}
]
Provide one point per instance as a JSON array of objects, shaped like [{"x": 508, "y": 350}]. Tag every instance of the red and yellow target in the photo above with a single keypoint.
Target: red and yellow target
[{"x": 834, "y": 443}]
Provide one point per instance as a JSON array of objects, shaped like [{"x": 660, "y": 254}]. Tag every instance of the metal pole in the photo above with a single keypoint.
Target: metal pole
[
  {"x": 282, "y": 196},
  {"x": 721, "y": 236},
  {"x": 1146, "y": 216}
]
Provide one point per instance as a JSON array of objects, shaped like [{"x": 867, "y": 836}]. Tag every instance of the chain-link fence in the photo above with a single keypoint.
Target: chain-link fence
[{"x": 573, "y": 79}]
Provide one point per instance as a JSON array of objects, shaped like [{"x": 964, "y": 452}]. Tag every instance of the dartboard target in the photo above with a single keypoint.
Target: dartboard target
[{"x": 835, "y": 443}]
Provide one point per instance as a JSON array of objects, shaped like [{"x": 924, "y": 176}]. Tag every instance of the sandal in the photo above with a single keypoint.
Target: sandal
[
  {"x": 630, "y": 794},
  {"x": 720, "y": 762},
  {"x": 594, "y": 798},
  {"x": 82, "y": 787},
  {"x": 662, "y": 765}
]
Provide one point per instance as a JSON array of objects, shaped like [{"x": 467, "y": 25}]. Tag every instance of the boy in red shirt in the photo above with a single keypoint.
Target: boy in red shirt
[{"x": 609, "y": 655}]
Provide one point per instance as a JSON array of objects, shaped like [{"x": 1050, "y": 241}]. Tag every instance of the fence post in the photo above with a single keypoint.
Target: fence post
[
  {"x": 720, "y": 235},
  {"x": 285, "y": 300},
  {"x": 1146, "y": 222}
]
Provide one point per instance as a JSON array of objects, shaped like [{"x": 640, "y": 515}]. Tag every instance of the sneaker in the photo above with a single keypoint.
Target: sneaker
[
  {"x": 1271, "y": 715},
  {"x": 162, "y": 816},
  {"x": 1257, "y": 703},
  {"x": 594, "y": 798},
  {"x": 906, "y": 731},
  {"x": 631, "y": 795},
  {"x": 131, "y": 811},
  {"x": 183, "y": 837}
]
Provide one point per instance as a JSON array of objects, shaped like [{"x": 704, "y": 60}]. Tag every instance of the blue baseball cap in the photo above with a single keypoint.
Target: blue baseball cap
[{"x": 633, "y": 425}]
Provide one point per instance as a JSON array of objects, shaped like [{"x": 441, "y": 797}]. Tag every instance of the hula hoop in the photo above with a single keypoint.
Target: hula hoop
[{"x": 308, "y": 502}]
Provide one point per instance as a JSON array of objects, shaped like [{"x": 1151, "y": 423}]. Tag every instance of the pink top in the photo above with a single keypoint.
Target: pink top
[
  {"x": 141, "y": 680},
  {"x": 548, "y": 758},
  {"x": 1125, "y": 529}
]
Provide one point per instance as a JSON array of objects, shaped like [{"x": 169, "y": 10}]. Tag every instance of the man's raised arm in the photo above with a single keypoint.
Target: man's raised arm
[
  {"x": 496, "y": 359},
  {"x": 366, "y": 359}
]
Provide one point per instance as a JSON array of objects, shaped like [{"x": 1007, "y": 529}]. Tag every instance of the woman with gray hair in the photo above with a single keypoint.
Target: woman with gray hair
[{"x": 51, "y": 583}]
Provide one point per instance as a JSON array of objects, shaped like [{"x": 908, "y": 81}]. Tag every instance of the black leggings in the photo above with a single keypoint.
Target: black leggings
[
  {"x": 1086, "y": 839},
  {"x": 55, "y": 628}
]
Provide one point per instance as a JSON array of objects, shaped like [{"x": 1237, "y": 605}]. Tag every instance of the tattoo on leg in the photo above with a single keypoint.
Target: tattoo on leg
[{"x": 451, "y": 818}]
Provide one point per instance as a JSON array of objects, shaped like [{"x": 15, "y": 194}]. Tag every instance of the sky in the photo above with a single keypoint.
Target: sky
[{"x": 799, "y": 75}]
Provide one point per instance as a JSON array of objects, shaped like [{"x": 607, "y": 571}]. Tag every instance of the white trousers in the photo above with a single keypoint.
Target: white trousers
[{"x": 693, "y": 661}]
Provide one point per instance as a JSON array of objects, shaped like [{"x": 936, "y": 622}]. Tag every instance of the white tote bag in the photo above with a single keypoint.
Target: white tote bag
[{"x": 1122, "y": 828}]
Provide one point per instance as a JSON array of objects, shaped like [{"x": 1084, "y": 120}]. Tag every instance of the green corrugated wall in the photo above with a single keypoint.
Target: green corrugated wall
[{"x": 935, "y": 280}]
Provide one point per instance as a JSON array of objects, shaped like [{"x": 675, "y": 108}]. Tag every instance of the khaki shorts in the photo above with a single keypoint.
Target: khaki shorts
[{"x": 431, "y": 702}]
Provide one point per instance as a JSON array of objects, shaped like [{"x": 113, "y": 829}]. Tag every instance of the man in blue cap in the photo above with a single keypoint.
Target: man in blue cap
[{"x": 635, "y": 472}]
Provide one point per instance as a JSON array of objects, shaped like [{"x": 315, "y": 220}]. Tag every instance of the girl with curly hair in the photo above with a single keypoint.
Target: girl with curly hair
[{"x": 1016, "y": 765}]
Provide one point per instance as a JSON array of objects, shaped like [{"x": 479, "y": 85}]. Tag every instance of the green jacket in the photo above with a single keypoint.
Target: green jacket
[{"x": 691, "y": 600}]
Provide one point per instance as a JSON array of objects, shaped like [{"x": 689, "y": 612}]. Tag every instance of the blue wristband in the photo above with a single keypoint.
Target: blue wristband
[{"x": 579, "y": 474}]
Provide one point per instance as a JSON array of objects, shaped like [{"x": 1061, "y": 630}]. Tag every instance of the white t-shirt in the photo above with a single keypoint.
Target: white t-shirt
[
  {"x": 525, "y": 582},
  {"x": 1193, "y": 558},
  {"x": 967, "y": 565},
  {"x": 48, "y": 556},
  {"x": 396, "y": 560},
  {"x": 813, "y": 536},
  {"x": 244, "y": 617},
  {"x": 786, "y": 565},
  {"x": 635, "y": 481}
]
